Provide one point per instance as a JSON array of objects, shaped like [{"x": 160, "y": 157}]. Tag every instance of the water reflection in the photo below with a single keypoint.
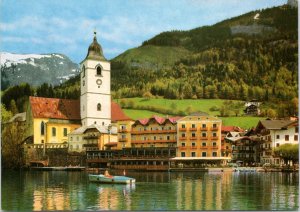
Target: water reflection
[
  {"x": 40, "y": 191},
  {"x": 111, "y": 196}
]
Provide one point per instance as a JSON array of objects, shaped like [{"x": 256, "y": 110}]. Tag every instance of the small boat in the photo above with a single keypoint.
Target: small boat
[{"x": 100, "y": 178}]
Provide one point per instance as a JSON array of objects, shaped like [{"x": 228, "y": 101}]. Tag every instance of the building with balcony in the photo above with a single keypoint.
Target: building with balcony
[
  {"x": 272, "y": 134},
  {"x": 154, "y": 132}
]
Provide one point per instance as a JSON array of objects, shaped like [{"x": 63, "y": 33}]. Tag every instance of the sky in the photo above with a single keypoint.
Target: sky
[{"x": 67, "y": 26}]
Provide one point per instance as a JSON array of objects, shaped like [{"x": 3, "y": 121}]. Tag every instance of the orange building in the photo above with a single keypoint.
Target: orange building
[
  {"x": 199, "y": 136},
  {"x": 154, "y": 132}
]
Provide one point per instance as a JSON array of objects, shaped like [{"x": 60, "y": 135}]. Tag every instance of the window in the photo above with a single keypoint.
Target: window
[
  {"x": 203, "y": 144},
  {"x": 154, "y": 138},
  {"x": 183, "y": 135},
  {"x": 214, "y": 144},
  {"x": 183, "y": 144},
  {"x": 123, "y": 136},
  {"x": 193, "y": 144},
  {"x": 183, "y": 126},
  {"x": 193, "y": 125},
  {"x": 168, "y": 137},
  {"x": 295, "y": 137},
  {"x": 42, "y": 128},
  {"x": 65, "y": 132},
  {"x": 77, "y": 138},
  {"x": 95, "y": 122},
  {"x": 214, "y": 154},
  {"x": 42, "y": 141},
  {"x": 182, "y": 154},
  {"x": 203, "y": 134},
  {"x": 203, "y": 154},
  {"x": 287, "y": 137},
  {"x": 277, "y": 145},
  {"x": 99, "y": 107},
  {"x": 53, "y": 131},
  {"x": 193, "y": 154},
  {"x": 145, "y": 138},
  {"x": 214, "y": 125},
  {"x": 193, "y": 135},
  {"x": 83, "y": 71},
  {"x": 203, "y": 125},
  {"x": 214, "y": 134},
  {"x": 296, "y": 129},
  {"x": 99, "y": 71},
  {"x": 71, "y": 138},
  {"x": 277, "y": 136}
]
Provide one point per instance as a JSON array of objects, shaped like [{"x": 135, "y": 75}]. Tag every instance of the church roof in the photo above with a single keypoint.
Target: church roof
[
  {"x": 95, "y": 50},
  {"x": 55, "y": 108},
  {"x": 66, "y": 109}
]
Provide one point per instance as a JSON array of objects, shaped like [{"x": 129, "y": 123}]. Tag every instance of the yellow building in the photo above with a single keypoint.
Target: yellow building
[
  {"x": 50, "y": 120},
  {"x": 199, "y": 136},
  {"x": 154, "y": 132}
]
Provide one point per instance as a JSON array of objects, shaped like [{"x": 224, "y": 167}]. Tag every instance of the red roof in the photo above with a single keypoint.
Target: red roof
[
  {"x": 157, "y": 119},
  {"x": 55, "y": 108},
  {"x": 231, "y": 129},
  {"x": 66, "y": 109},
  {"x": 117, "y": 113}
]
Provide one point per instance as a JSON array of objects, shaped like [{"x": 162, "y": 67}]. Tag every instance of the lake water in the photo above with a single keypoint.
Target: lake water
[{"x": 59, "y": 190}]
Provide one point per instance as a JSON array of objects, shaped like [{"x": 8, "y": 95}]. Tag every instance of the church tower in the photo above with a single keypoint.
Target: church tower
[{"x": 95, "y": 98}]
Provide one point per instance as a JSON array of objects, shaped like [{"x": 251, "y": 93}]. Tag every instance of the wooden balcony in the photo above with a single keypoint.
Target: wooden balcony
[
  {"x": 214, "y": 128},
  {"x": 193, "y": 147},
  {"x": 135, "y": 132},
  {"x": 182, "y": 138},
  {"x": 203, "y": 128},
  {"x": 123, "y": 131},
  {"x": 182, "y": 129},
  {"x": 203, "y": 138},
  {"x": 123, "y": 139},
  {"x": 152, "y": 141},
  {"x": 214, "y": 147},
  {"x": 203, "y": 147},
  {"x": 182, "y": 148},
  {"x": 193, "y": 129},
  {"x": 214, "y": 138},
  {"x": 193, "y": 138}
]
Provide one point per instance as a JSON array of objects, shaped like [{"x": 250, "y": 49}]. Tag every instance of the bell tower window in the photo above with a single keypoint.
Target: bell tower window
[
  {"x": 99, "y": 107},
  {"x": 99, "y": 71}
]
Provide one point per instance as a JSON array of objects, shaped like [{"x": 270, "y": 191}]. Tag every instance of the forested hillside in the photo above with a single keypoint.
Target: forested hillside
[{"x": 251, "y": 56}]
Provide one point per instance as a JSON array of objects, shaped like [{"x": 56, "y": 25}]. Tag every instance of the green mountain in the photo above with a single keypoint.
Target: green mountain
[{"x": 254, "y": 55}]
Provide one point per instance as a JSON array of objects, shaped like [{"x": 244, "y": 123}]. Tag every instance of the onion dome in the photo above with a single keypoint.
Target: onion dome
[{"x": 95, "y": 50}]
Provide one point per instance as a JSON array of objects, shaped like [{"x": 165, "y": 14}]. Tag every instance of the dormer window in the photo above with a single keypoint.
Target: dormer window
[{"x": 99, "y": 71}]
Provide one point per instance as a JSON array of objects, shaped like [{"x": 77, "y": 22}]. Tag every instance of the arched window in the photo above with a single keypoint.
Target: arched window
[
  {"x": 99, "y": 107},
  {"x": 42, "y": 128},
  {"x": 99, "y": 71}
]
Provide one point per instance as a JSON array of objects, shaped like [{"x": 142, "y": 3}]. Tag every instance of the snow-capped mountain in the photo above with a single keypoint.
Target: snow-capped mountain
[{"x": 36, "y": 69}]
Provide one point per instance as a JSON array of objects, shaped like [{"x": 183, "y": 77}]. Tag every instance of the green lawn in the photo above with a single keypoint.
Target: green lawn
[
  {"x": 197, "y": 105},
  {"x": 204, "y": 105}
]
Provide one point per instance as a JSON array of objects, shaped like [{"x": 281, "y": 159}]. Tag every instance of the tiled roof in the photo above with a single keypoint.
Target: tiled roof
[
  {"x": 117, "y": 113},
  {"x": 66, "y": 109},
  {"x": 231, "y": 129},
  {"x": 157, "y": 119},
  {"x": 276, "y": 124},
  {"x": 55, "y": 108}
]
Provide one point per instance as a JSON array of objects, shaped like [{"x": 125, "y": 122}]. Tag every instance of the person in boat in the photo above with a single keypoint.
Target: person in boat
[{"x": 106, "y": 174}]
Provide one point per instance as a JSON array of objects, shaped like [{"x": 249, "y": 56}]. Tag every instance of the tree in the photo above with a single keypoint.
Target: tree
[
  {"x": 13, "y": 107},
  {"x": 288, "y": 152},
  {"x": 12, "y": 141},
  {"x": 147, "y": 95},
  {"x": 5, "y": 114}
]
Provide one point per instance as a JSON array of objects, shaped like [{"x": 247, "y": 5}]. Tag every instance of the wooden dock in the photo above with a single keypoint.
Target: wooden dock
[{"x": 68, "y": 168}]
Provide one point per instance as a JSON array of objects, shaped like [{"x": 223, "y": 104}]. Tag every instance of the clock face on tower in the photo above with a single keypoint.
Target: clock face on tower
[{"x": 99, "y": 81}]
